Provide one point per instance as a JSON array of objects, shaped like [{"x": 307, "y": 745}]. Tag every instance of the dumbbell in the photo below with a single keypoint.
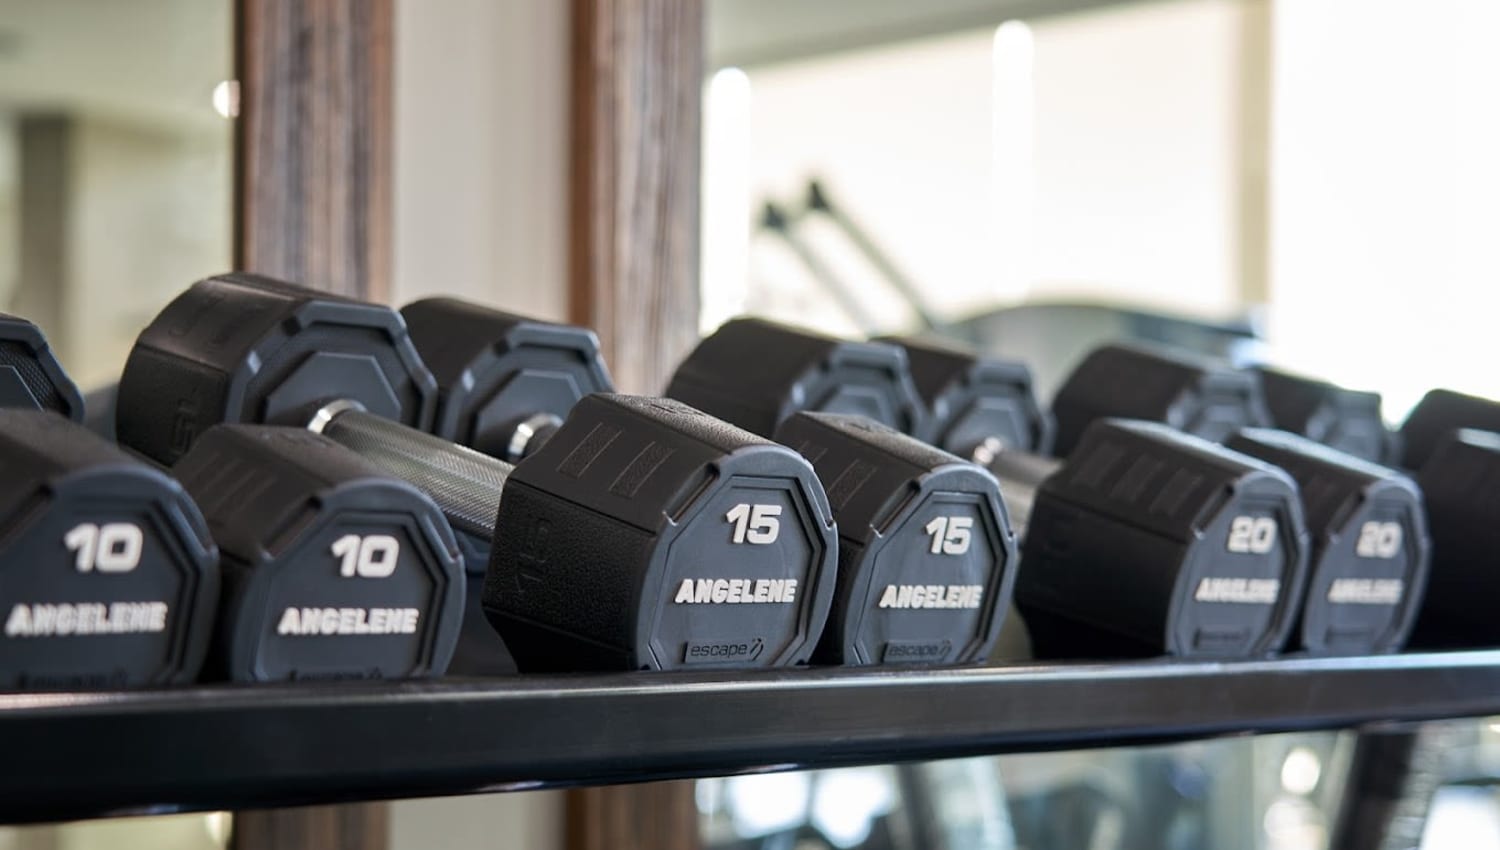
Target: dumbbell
[
  {"x": 1340, "y": 418},
  {"x": 971, "y": 400},
  {"x": 1189, "y": 560},
  {"x": 30, "y": 376},
  {"x": 504, "y": 383},
  {"x": 926, "y": 554},
  {"x": 314, "y": 586},
  {"x": 1461, "y": 482},
  {"x": 1370, "y": 551},
  {"x": 333, "y": 568},
  {"x": 950, "y": 581},
  {"x": 1343, "y": 611},
  {"x": 1437, "y": 416},
  {"x": 756, "y": 373},
  {"x": 473, "y": 342},
  {"x": 107, "y": 574},
  {"x": 642, "y": 534}
]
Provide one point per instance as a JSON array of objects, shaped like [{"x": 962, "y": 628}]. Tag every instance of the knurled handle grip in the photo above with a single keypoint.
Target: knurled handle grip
[{"x": 464, "y": 483}]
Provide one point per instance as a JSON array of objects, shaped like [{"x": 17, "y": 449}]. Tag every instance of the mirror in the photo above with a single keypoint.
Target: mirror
[
  {"x": 115, "y": 166},
  {"x": 1252, "y": 177}
]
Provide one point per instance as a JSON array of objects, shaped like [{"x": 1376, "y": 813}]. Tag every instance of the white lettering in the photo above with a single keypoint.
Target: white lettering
[
  {"x": 736, "y": 591},
  {"x": 86, "y": 618},
  {"x": 1366, "y": 591},
  {"x": 316, "y": 622},
  {"x": 931, "y": 597},
  {"x": 1245, "y": 591}
]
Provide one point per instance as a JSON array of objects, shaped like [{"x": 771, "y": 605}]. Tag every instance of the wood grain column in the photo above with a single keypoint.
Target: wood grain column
[
  {"x": 313, "y": 205},
  {"x": 360, "y": 826},
  {"x": 652, "y": 816},
  {"x": 636, "y": 111},
  {"x": 313, "y": 142},
  {"x": 633, "y": 271}
]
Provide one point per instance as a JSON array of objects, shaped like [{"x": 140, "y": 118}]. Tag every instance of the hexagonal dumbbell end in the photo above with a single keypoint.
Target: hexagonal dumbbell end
[
  {"x": 754, "y": 373},
  {"x": 30, "y": 376},
  {"x": 1151, "y": 541},
  {"x": 333, "y": 569},
  {"x": 1433, "y": 421},
  {"x": 1370, "y": 551},
  {"x": 926, "y": 555},
  {"x": 1189, "y": 393},
  {"x": 1461, "y": 483},
  {"x": 502, "y": 378},
  {"x": 972, "y": 399},
  {"x": 648, "y": 535},
  {"x": 1343, "y": 419},
  {"x": 246, "y": 348},
  {"x": 107, "y": 574}
]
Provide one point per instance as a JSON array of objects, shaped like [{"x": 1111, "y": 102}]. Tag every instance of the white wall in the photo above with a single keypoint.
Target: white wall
[
  {"x": 150, "y": 213},
  {"x": 1386, "y": 193},
  {"x": 481, "y": 91},
  {"x": 1103, "y": 159},
  {"x": 1138, "y": 182},
  {"x": 480, "y": 200}
]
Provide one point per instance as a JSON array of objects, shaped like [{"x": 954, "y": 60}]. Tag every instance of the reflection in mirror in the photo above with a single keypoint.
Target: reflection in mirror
[
  {"x": 115, "y": 166},
  {"x": 1036, "y": 178},
  {"x": 1276, "y": 792},
  {"x": 169, "y": 832}
]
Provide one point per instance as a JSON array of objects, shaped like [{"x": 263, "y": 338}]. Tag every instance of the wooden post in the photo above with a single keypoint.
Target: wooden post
[
  {"x": 633, "y": 272},
  {"x": 358, "y": 826},
  {"x": 313, "y": 142},
  {"x": 313, "y": 205},
  {"x": 633, "y": 252}
]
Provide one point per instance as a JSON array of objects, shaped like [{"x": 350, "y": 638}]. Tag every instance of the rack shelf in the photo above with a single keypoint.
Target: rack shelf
[{"x": 89, "y": 755}]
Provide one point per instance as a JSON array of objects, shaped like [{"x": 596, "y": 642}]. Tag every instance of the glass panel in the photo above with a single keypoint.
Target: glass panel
[
  {"x": 1277, "y": 792},
  {"x": 115, "y": 166},
  {"x": 1235, "y": 176},
  {"x": 1235, "y": 162},
  {"x": 115, "y": 169}
]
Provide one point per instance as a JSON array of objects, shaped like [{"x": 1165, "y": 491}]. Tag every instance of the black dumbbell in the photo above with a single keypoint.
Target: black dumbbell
[
  {"x": 107, "y": 575},
  {"x": 504, "y": 381},
  {"x": 1370, "y": 549},
  {"x": 972, "y": 399},
  {"x": 1194, "y": 394},
  {"x": 768, "y": 377},
  {"x": 244, "y": 348},
  {"x": 1437, "y": 416},
  {"x": 926, "y": 555},
  {"x": 30, "y": 376},
  {"x": 333, "y": 569},
  {"x": 1135, "y": 538},
  {"x": 1158, "y": 384},
  {"x": 875, "y": 528},
  {"x": 1461, "y": 483},
  {"x": 1148, "y": 540},
  {"x": 756, "y": 373},
  {"x": 1323, "y": 410},
  {"x": 1344, "y": 419},
  {"x": 633, "y": 506}
]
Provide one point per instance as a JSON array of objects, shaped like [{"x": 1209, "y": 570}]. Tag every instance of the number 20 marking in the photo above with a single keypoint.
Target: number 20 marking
[
  {"x": 1378, "y": 540},
  {"x": 1252, "y": 535}
]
